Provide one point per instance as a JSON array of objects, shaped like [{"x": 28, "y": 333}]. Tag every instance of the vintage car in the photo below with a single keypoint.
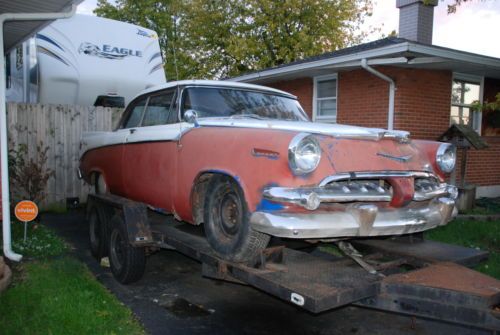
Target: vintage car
[{"x": 247, "y": 163}]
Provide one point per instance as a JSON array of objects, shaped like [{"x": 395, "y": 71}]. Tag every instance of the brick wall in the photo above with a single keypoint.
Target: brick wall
[
  {"x": 422, "y": 106},
  {"x": 302, "y": 88},
  {"x": 362, "y": 99},
  {"x": 420, "y": 95}
]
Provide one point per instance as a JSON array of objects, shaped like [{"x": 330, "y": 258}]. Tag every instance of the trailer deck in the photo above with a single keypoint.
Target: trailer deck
[{"x": 414, "y": 276}]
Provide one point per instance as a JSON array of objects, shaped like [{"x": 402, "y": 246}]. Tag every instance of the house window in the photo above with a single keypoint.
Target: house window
[
  {"x": 465, "y": 91},
  {"x": 325, "y": 98}
]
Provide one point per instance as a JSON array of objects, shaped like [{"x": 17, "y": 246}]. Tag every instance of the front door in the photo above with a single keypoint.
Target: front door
[{"x": 149, "y": 158}]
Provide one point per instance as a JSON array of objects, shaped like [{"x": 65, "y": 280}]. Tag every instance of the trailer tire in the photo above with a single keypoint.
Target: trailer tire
[
  {"x": 227, "y": 222},
  {"x": 126, "y": 261},
  {"x": 97, "y": 234}
]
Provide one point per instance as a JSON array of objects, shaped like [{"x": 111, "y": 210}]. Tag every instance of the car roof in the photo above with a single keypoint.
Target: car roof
[{"x": 208, "y": 83}]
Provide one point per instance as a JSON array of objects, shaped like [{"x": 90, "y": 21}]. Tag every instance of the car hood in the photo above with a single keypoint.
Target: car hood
[{"x": 335, "y": 130}]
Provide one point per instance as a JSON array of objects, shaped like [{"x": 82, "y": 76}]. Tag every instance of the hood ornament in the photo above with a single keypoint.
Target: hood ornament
[{"x": 402, "y": 159}]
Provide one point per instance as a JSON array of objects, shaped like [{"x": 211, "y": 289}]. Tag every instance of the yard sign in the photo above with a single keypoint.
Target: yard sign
[{"x": 26, "y": 211}]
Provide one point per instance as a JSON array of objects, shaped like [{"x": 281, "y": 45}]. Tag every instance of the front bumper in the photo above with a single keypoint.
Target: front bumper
[{"x": 357, "y": 220}]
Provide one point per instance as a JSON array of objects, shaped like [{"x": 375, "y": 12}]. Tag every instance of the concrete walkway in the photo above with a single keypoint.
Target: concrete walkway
[{"x": 173, "y": 298}]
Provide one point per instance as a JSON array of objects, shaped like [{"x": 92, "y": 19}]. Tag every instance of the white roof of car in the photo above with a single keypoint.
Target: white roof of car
[{"x": 225, "y": 83}]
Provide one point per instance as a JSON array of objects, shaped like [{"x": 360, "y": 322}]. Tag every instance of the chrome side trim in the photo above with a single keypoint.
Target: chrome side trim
[
  {"x": 374, "y": 175},
  {"x": 358, "y": 220}
]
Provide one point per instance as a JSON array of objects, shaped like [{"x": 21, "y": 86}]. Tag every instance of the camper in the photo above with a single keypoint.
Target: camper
[{"x": 85, "y": 60}]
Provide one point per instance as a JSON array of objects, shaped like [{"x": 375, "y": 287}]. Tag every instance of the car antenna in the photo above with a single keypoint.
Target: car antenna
[{"x": 174, "y": 19}]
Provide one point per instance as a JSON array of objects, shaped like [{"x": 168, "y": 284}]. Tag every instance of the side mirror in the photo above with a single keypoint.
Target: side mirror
[{"x": 190, "y": 116}]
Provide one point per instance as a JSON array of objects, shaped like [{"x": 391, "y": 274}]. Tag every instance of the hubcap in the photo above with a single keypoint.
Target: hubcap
[{"x": 230, "y": 214}]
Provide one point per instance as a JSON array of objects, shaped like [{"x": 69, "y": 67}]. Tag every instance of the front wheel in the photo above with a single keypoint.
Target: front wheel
[
  {"x": 126, "y": 261},
  {"x": 227, "y": 224}
]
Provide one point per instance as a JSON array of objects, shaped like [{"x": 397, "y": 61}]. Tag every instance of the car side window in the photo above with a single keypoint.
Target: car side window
[
  {"x": 158, "y": 109},
  {"x": 135, "y": 114}
]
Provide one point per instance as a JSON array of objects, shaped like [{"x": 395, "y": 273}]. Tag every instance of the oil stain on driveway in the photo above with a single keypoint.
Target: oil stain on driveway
[{"x": 173, "y": 298}]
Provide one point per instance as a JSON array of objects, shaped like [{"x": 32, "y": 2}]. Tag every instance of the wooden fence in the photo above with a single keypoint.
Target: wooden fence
[{"x": 58, "y": 127}]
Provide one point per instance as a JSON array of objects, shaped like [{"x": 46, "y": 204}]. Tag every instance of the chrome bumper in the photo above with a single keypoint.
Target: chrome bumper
[{"x": 357, "y": 220}]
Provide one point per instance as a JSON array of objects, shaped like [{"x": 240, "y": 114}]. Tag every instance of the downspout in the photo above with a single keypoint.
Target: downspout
[
  {"x": 7, "y": 243},
  {"x": 392, "y": 90}
]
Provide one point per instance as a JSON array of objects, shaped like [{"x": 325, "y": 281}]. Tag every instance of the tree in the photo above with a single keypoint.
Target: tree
[{"x": 216, "y": 38}]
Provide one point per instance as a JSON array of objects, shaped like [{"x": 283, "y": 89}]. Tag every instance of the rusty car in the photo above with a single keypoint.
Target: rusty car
[{"x": 247, "y": 163}]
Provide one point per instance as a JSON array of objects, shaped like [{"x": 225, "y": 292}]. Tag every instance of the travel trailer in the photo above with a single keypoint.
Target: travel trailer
[{"x": 85, "y": 60}]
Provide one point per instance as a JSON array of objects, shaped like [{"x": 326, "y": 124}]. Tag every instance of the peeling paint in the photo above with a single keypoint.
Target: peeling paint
[{"x": 269, "y": 206}]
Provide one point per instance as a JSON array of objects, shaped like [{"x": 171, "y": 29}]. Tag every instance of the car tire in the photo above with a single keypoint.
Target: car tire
[
  {"x": 227, "y": 222},
  {"x": 126, "y": 261},
  {"x": 97, "y": 234}
]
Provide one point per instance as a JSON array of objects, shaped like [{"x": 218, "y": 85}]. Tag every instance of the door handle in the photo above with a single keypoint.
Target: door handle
[{"x": 133, "y": 130}]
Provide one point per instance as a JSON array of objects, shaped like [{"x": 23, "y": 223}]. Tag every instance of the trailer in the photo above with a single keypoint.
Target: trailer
[
  {"x": 84, "y": 60},
  {"x": 407, "y": 274}
]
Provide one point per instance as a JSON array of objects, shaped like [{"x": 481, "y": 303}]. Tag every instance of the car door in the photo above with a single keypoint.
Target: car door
[
  {"x": 111, "y": 167},
  {"x": 149, "y": 157}
]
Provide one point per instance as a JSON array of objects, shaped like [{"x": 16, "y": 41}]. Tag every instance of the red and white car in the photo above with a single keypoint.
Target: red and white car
[{"x": 247, "y": 163}]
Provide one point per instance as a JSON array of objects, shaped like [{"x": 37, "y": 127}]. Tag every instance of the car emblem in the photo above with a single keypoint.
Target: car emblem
[{"x": 402, "y": 159}]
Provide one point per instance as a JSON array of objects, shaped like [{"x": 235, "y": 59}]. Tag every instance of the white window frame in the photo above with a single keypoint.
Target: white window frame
[
  {"x": 317, "y": 79},
  {"x": 477, "y": 117}
]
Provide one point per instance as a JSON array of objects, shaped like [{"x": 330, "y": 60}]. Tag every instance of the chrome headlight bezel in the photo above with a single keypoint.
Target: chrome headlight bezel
[
  {"x": 301, "y": 165},
  {"x": 446, "y": 157}
]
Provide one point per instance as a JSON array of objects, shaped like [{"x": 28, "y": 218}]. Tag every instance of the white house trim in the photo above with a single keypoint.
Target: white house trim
[{"x": 315, "y": 116}]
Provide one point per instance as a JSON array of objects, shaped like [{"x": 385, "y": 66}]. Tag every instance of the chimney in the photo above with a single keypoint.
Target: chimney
[{"x": 415, "y": 19}]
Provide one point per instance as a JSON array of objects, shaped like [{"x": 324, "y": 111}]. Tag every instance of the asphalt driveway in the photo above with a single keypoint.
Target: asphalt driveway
[{"x": 173, "y": 298}]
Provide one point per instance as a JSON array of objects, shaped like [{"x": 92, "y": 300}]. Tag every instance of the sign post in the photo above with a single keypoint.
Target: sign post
[{"x": 26, "y": 211}]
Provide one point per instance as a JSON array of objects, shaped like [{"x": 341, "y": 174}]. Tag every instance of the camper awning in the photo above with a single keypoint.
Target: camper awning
[{"x": 16, "y": 32}]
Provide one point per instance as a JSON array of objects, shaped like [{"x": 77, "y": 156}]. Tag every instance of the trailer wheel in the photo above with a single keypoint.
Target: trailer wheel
[
  {"x": 97, "y": 234},
  {"x": 126, "y": 261},
  {"x": 227, "y": 224}
]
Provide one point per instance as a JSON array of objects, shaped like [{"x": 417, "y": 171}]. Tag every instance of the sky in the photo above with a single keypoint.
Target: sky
[{"x": 474, "y": 27}]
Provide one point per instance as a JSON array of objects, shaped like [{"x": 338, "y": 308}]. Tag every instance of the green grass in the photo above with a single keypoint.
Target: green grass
[
  {"x": 60, "y": 296},
  {"x": 40, "y": 242},
  {"x": 53, "y": 293},
  {"x": 484, "y": 235}
]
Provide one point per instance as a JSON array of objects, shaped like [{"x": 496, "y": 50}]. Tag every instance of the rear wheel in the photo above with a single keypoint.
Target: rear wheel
[
  {"x": 126, "y": 261},
  {"x": 97, "y": 234},
  {"x": 227, "y": 224}
]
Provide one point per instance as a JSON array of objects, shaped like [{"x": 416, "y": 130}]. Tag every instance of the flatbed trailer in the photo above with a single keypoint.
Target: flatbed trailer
[{"x": 412, "y": 276}]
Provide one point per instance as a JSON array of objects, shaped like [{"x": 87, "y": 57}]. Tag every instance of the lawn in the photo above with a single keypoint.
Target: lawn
[
  {"x": 484, "y": 235},
  {"x": 53, "y": 293}
]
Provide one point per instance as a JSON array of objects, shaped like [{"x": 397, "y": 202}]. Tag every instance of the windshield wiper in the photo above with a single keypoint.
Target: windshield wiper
[{"x": 250, "y": 116}]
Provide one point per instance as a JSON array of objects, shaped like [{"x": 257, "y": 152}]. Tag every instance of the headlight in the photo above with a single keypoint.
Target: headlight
[
  {"x": 304, "y": 154},
  {"x": 446, "y": 157}
]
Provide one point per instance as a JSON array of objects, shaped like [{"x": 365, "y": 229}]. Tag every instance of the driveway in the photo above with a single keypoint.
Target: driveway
[{"x": 173, "y": 298}]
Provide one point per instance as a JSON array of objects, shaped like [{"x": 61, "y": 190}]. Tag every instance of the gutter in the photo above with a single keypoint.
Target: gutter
[
  {"x": 7, "y": 243},
  {"x": 392, "y": 90}
]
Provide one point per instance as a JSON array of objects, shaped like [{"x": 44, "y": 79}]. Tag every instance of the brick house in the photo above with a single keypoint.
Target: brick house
[{"x": 402, "y": 83}]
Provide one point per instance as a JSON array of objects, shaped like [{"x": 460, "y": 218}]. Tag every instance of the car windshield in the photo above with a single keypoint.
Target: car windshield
[{"x": 237, "y": 103}]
